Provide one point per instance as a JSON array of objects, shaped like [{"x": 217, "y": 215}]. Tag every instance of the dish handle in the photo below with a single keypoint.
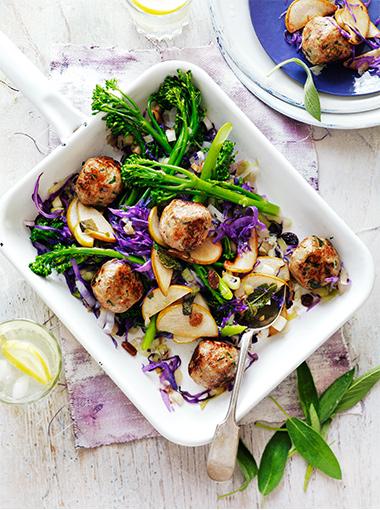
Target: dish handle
[{"x": 38, "y": 89}]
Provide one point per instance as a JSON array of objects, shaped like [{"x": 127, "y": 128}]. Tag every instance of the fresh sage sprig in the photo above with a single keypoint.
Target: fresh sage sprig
[
  {"x": 306, "y": 437},
  {"x": 248, "y": 468},
  {"x": 311, "y": 97},
  {"x": 273, "y": 462}
]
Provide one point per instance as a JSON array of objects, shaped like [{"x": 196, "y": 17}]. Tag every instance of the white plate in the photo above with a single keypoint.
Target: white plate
[
  {"x": 235, "y": 34},
  {"x": 329, "y": 120},
  {"x": 190, "y": 425}
]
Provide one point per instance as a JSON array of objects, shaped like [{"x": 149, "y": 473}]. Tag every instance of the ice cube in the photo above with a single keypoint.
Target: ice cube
[
  {"x": 5, "y": 371},
  {"x": 20, "y": 387}
]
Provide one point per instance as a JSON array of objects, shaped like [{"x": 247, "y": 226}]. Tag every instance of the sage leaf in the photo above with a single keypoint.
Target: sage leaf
[
  {"x": 358, "y": 389},
  {"x": 314, "y": 419},
  {"x": 309, "y": 470},
  {"x": 273, "y": 462},
  {"x": 248, "y": 468},
  {"x": 329, "y": 400},
  {"x": 307, "y": 392},
  {"x": 311, "y": 97},
  {"x": 313, "y": 448}
]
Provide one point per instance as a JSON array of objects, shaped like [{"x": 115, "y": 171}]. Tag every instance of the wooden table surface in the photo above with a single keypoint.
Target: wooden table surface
[{"x": 39, "y": 466}]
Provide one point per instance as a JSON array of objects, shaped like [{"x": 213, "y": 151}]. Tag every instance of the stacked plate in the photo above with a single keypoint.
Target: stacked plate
[{"x": 357, "y": 106}]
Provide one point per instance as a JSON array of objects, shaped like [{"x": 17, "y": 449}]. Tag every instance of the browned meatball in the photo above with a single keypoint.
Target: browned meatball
[
  {"x": 116, "y": 286},
  {"x": 322, "y": 42},
  {"x": 314, "y": 260},
  {"x": 185, "y": 225},
  {"x": 213, "y": 363},
  {"x": 99, "y": 181}
]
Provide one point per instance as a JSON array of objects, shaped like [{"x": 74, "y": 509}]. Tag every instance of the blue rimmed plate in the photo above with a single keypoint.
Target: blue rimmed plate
[{"x": 268, "y": 23}]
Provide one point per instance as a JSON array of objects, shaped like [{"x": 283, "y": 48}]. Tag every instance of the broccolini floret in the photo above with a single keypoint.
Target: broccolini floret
[{"x": 224, "y": 161}]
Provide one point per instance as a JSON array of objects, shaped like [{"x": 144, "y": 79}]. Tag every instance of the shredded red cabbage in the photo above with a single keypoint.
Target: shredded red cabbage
[
  {"x": 168, "y": 367},
  {"x": 238, "y": 226},
  {"x": 197, "y": 397},
  {"x": 139, "y": 242},
  {"x": 83, "y": 287},
  {"x": 294, "y": 39},
  {"x": 39, "y": 203}
]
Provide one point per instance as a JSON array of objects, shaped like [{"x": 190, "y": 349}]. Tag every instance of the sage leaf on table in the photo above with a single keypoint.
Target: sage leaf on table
[
  {"x": 311, "y": 97},
  {"x": 313, "y": 448},
  {"x": 310, "y": 469},
  {"x": 248, "y": 468},
  {"x": 273, "y": 462},
  {"x": 307, "y": 392},
  {"x": 358, "y": 390},
  {"x": 330, "y": 399}
]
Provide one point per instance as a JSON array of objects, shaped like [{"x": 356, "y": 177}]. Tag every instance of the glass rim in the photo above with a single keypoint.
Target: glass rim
[
  {"x": 59, "y": 368},
  {"x": 150, "y": 14}
]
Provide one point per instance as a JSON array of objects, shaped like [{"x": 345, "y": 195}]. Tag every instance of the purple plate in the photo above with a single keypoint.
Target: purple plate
[{"x": 334, "y": 78}]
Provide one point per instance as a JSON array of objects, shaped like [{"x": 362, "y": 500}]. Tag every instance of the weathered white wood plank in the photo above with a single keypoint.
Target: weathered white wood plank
[{"x": 38, "y": 470}]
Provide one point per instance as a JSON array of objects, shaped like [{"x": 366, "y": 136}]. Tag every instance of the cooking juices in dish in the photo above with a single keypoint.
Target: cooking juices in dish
[
  {"x": 174, "y": 243},
  {"x": 30, "y": 361}
]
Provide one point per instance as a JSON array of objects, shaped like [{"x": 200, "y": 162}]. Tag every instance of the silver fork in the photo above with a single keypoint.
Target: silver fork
[{"x": 222, "y": 455}]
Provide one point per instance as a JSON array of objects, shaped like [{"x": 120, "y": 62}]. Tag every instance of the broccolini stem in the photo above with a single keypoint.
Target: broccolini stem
[
  {"x": 154, "y": 120},
  {"x": 150, "y": 333},
  {"x": 212, "y": 155}
]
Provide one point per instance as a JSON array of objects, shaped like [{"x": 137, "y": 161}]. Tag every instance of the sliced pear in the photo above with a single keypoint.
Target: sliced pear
[
  {"x": 253, "y": 280},
  {"x": 153, "y": 227},
  {"x": 244, "y": 263},
  {"x": 353, "y": 18},
  {"x": 156, "y": 301},
  {"x": 199, "y": 324},
  {"x": 73, "y": 223},
  {"x": 207, "y": 253},
  {"x": 183, "y": 339},
  {"x": 95, "y": 224},
  {"x": 361, "y": 62},
  {"x": 162, "y": 274},
  {"x": 200, "y": 300},
  {"x": 300, "y": 12},
  {"x": 273, "y": 266}
]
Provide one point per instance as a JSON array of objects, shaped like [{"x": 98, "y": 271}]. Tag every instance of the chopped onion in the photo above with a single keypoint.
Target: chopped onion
[
  {"x": 232, "y": 281},
  {"x": 207, "y": 122},
  {"x": 148, "y": 138},
  {"x": 170, "y": 135},
  {"x": 215, "y": 213},
  {"x": 168, "y": 117}
]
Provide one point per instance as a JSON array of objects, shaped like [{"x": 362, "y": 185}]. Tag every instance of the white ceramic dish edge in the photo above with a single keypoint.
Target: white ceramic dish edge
[{"x": 189, "y": 426}]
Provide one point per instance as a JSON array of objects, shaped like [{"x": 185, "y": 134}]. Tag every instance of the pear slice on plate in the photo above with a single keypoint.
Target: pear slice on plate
[
  {"x": 300, "y": 12},
  {"x": 253, "y": 280},
  {"x": 244, "y": 262},
  {"x": 74, "y": 225},
  {"x": 156, "y": 301},
  {"x": 207, "y": 253},
  {"x": 95, "y": 224},
  {"x": 162, "y": 274},
  {"x": 199, "y": 324},
  {"x": 153, "y": 227}
]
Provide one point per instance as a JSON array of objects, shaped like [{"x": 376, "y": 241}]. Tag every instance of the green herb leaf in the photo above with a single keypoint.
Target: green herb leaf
[
  {"x": 311, "y": 96},
  {"x": 248, "y": 468},
  {"x": 330, "y": 399},
  {"x": 232, "y": 329},
  {"x": 309, "y": 470},
  {"x": 307, "y": 392},
  {"x": 313, "y": 448},
  {"x": 314, "y": 419},
  {"x": 358, "y": 390},
  {"x": 167, "y": 260},
  {"x": 273, "y": 462}
]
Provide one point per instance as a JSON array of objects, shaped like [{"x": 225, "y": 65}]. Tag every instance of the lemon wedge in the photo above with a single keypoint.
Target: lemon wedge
[
  {"x": 28, "y": 359},
  {"x": 159, "y": 7}
]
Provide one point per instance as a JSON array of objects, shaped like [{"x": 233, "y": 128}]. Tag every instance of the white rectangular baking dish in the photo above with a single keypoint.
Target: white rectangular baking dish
[{"x": 189, "y": 425}]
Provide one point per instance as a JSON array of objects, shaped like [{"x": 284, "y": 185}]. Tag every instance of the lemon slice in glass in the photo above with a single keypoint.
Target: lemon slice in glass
[
  {"x": 28, "y": 359},
  {"x": 159, "y": 7}
]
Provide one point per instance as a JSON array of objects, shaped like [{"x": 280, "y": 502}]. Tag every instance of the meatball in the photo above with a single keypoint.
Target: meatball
[
  {"x": 213, "y": 363},
  {"x": 116, "y": 286},
  {"x": 314, "y": 260},
  {"x": 322, "y": 41},
  {"x": 184, "y": 225},
  {"x": 99, "y": 181}
]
